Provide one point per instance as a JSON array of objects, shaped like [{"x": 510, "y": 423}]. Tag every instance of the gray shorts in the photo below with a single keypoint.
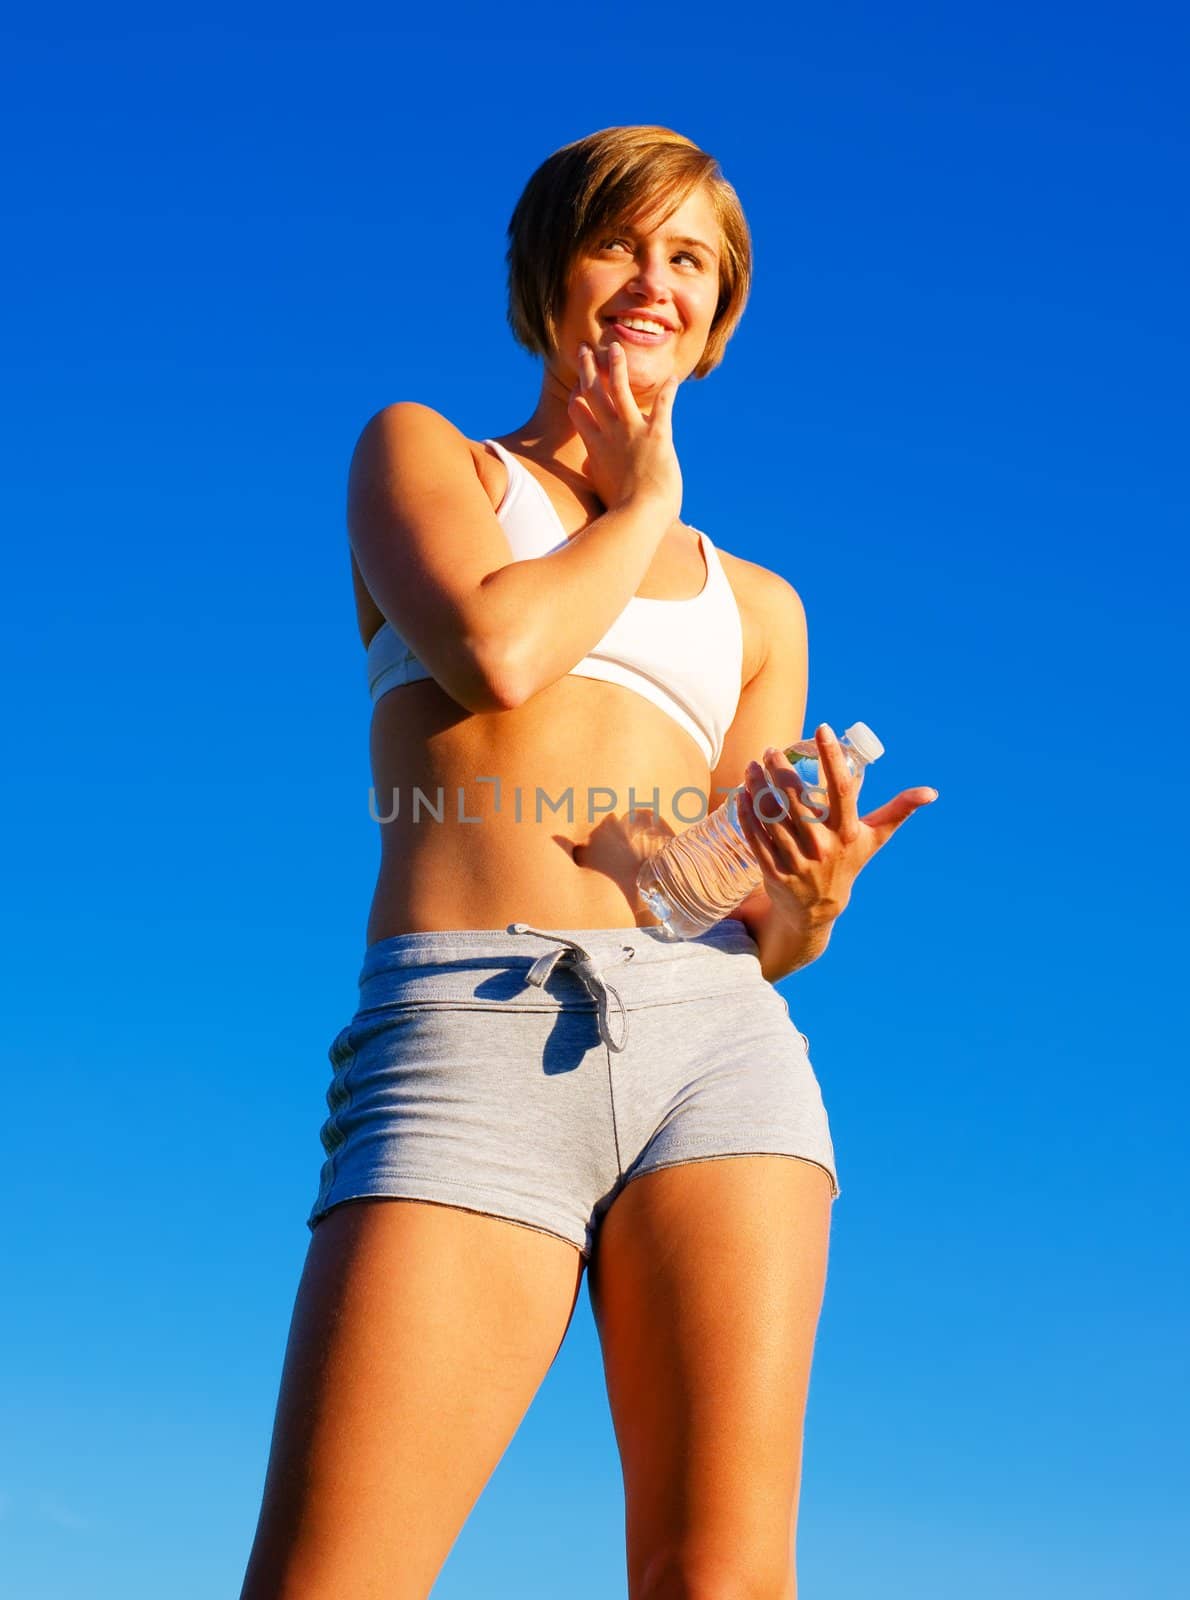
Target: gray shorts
[{"x": 531, "y": 1073}]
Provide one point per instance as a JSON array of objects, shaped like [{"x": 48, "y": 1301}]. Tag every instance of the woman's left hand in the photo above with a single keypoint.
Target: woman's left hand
[{"x": 810, "y": 866}]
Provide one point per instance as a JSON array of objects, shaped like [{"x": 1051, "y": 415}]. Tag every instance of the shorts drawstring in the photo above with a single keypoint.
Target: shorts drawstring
[{"x": 588, "y": 969}]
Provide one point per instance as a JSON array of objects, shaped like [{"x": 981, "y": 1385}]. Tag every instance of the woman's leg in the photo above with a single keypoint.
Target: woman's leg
[
  {"x": 706, "y": 1283},
  {"x": 420, "y": 1335}
]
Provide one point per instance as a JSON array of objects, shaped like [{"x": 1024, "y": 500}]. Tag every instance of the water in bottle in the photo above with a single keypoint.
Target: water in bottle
[{"x": 703, "y": 874}]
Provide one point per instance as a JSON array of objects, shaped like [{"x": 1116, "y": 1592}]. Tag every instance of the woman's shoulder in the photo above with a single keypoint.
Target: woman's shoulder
[
  {"x": 768, "y": 605},
  {"x": 416, "y": 418},
  {"x": 426, "y": 429},
  {"x": 762, "y": 588}
]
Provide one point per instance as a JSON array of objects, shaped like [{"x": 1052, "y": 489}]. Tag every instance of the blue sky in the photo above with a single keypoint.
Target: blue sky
[{"x": 954, "y": 417}]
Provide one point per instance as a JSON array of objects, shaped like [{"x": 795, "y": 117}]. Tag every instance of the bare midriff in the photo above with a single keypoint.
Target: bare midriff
[
  {"x": 566, "y": 762},
  {"x": 558, "y": 841}
]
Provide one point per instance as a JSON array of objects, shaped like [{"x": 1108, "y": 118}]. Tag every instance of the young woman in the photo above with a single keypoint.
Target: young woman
[{"x": 561, "y": 667}]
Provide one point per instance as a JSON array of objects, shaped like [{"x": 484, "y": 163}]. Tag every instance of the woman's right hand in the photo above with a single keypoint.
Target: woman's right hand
[{"x": 629, "y": 455}]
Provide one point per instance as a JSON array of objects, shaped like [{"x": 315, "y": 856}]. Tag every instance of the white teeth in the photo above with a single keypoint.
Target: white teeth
[{"x": 643, "y": 324}]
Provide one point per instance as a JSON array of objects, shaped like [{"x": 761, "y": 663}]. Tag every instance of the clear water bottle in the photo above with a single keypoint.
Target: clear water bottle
[{"x": 703, "y": 874}]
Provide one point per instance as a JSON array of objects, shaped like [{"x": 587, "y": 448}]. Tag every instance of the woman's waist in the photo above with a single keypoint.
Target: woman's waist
[
  {"x": 447, "y": 880},
  {"x": 490, "y": 968},
  {"x": 554, "y": 836}
]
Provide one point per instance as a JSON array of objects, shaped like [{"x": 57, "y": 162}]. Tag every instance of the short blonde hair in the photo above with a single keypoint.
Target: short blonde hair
[{"x": 604, "y": 180}]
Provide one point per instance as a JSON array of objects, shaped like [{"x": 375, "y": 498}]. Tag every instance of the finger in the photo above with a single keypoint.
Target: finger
[
  {"x": 598, "y": 390},
  {"x": 590, "y": 387},
  {"x": 579, "y": 413},
  {"x": 757, "y": 837},
  {"x": 621, "y": 389},
  {"x": 801, "y": 822},
  {"x": 771, "y": 807},
  {"x": 841, "y": 784},
  {"x": 663, "y": 405},
  {"x": 886, "y": 819}
]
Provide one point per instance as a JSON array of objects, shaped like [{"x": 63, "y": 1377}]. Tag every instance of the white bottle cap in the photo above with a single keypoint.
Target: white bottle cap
[{"x": 864, "y": 741}]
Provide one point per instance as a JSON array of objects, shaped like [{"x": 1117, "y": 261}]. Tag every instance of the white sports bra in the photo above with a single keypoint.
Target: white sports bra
[{"x": 685, "y": 656}]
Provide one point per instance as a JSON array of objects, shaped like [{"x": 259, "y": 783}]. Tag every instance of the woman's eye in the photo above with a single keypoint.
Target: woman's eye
[{"x": 686, "y": 253}]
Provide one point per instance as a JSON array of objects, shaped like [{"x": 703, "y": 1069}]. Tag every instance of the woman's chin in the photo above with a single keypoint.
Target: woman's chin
[{"x": 644, "y": 384}]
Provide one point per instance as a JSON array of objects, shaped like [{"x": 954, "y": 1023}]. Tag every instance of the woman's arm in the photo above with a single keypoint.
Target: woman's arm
[
  {"x": 808, "y": 866},
  {"x": 492, "y": 631},
  {"x": 771, "y": 710}
]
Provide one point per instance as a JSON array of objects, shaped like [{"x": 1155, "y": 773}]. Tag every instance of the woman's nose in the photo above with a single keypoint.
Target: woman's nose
[{"x": 652, "y": 279}]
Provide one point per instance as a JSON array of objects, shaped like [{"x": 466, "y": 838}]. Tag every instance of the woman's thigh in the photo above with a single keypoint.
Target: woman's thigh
[
  {"x": 706, "y": 1285},
  {"x": 420, "y": 1334}
]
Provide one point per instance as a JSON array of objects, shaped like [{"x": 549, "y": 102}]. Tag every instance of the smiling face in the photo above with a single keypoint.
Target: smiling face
[{"x": 663, "y": 277}]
